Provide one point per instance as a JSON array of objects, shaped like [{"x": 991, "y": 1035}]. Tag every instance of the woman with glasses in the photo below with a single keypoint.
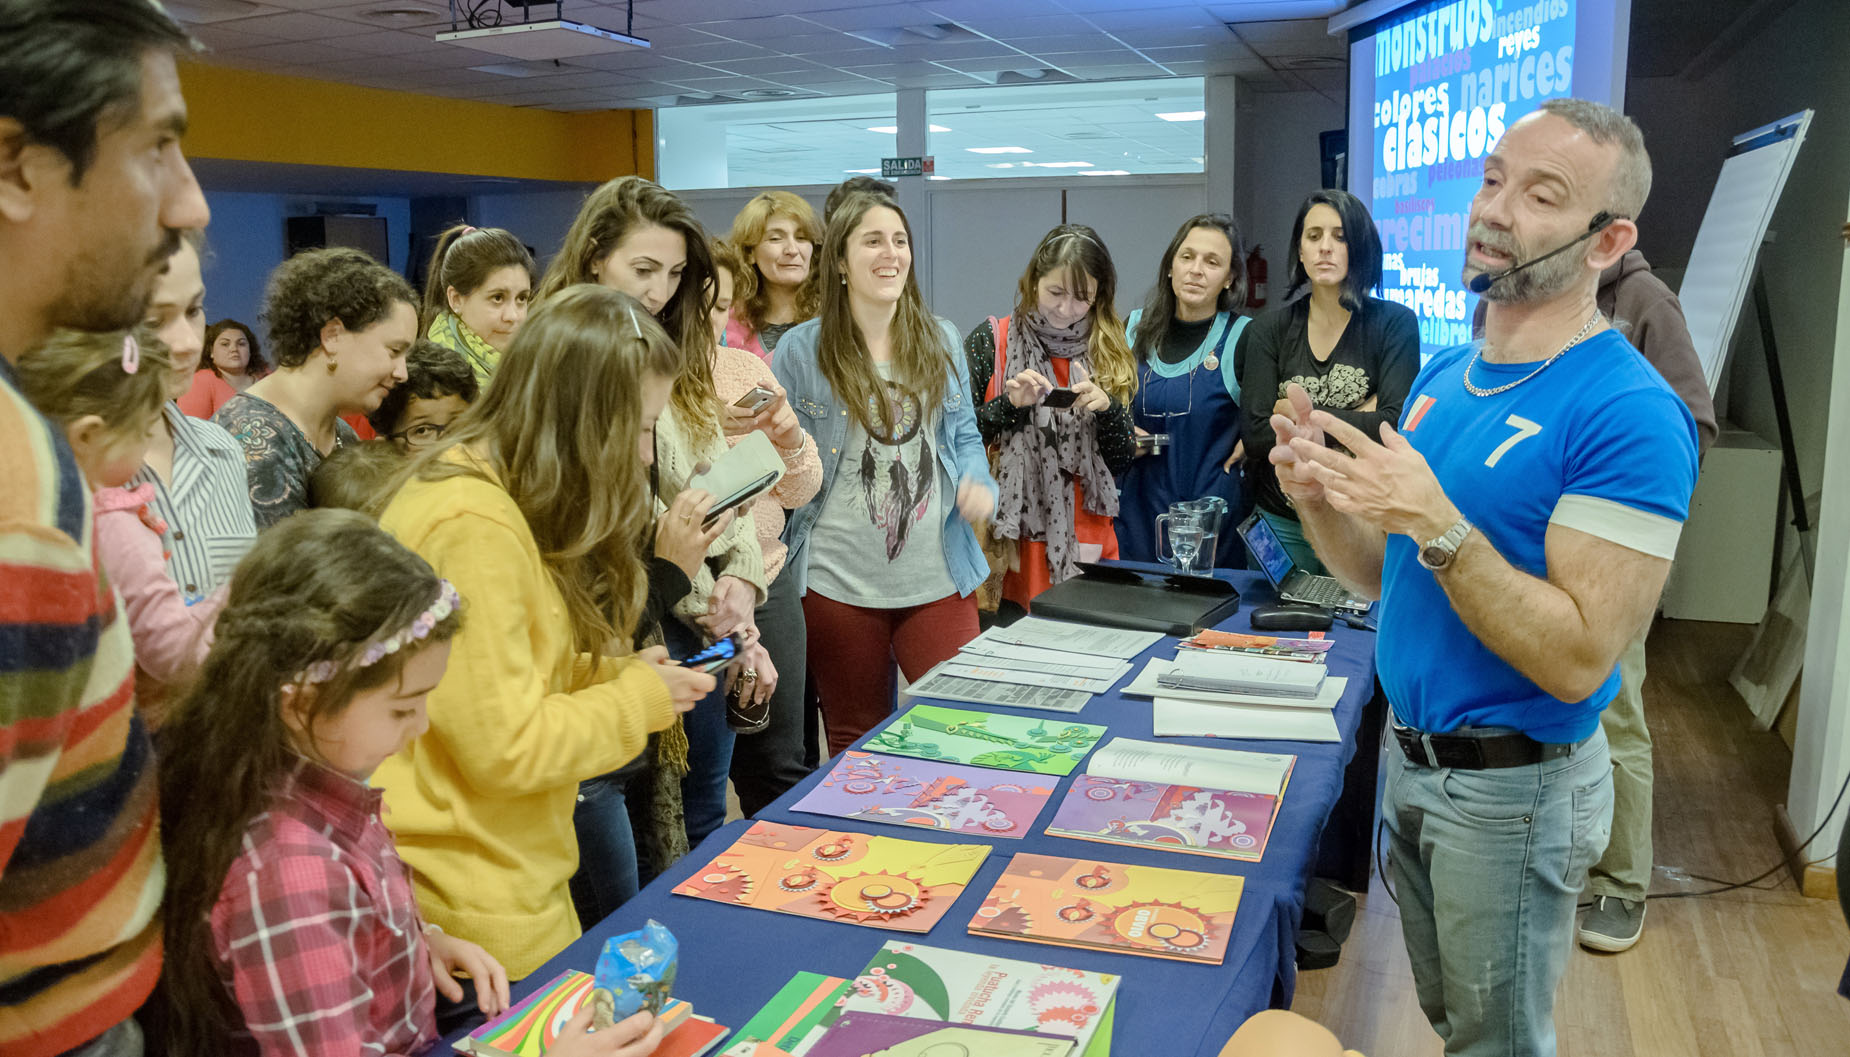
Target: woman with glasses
[
  {"x": 1187, "y": 408},
  {"x": 439, "y": 386}
]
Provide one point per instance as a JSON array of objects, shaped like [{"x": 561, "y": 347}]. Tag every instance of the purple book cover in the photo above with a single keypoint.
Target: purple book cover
[
  {"x": 1176, "y": 817},
  {"x": 859, "y": 1034},
  {"x": 908, "y": 792}
]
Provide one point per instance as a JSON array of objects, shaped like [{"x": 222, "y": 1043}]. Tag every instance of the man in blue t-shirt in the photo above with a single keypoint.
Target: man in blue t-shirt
[{"x": 1517, "y": 528}]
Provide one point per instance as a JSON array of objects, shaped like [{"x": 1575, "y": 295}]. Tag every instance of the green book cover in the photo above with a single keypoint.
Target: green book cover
[
  {"x": 988, "y": 739},
  {"x": 808, "y": 1002}
]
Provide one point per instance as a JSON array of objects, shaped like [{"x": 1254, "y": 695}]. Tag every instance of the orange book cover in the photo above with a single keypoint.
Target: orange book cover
[
  {"x": 831, "y": 875},
  {"x": 1185, "y": 915}
]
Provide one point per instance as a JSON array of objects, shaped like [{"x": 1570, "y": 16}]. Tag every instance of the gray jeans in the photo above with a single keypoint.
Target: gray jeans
[
  {"x": 1488, "y": 866},
  {"x": 123, "y": 1040}
]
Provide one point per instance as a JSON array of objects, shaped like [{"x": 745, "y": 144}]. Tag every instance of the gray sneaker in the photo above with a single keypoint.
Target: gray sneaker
[{"x": 1613, "y": 925}]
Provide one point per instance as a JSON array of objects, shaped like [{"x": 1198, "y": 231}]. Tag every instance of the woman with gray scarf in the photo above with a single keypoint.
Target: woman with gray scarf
[{"x": 1056, "y": 378}]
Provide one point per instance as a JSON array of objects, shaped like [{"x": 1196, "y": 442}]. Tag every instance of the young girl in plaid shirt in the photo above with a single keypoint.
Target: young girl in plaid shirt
[{"x": 291, "y": 923}]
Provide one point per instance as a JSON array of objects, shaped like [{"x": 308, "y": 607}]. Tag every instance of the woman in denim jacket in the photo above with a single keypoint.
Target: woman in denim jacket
[{"x": 885, "y": 553}]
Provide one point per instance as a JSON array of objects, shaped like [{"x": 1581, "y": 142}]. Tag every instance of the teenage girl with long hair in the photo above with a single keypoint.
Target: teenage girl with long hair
[
  {"x": 885, "y": 552},
  {"x": 634, "y": 236},
  {"x": 533, "y": 507}
]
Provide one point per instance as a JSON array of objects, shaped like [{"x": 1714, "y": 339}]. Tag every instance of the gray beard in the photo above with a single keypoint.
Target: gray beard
[{"x": 1543, "y": 282}]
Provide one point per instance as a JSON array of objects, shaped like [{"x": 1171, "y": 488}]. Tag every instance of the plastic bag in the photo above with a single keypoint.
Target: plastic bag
[{"x": 636, "y": 971}]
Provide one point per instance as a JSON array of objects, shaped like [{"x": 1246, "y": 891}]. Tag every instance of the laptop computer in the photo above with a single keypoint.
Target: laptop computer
[{"x": 1293, "y": 583}]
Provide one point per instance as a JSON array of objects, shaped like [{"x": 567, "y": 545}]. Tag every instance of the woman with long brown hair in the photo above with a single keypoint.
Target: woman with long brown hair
[
  {"x": 533, "y": 507},
  {"x": 777, "y": 233},
  {"x": 885, "y": 552},
  {"x": 1056, "y": 457},
  {"x": 633, "y": 236}
]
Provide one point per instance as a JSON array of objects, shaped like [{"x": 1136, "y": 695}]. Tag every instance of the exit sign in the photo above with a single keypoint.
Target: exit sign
[{"x": 894, "y": 167}]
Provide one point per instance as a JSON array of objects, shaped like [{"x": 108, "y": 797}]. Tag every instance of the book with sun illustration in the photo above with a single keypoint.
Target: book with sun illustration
[
  {"x": 1180, "y": 914},
  {"x": 928, "y": 794},
  {"x": 532, "y": 1025},
  {"x": 829, "y": 875},
  {"x": 987, "y": 739}
]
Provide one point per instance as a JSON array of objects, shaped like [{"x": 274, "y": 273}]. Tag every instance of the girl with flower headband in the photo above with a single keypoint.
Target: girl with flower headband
[
  {"x": 476, "y": 293},
  {"x": 106, "y": 390},
  {"x": 291, "y": 925}
]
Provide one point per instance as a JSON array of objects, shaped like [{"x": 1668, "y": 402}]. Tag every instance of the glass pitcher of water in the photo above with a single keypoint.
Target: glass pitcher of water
[
  {"x": 1211, "y": 511},
  {"x": 1184, "y": 536}
]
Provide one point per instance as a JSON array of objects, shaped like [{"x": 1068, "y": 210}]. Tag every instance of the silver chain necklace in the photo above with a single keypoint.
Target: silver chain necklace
[{"x": 1571, "y": 342}]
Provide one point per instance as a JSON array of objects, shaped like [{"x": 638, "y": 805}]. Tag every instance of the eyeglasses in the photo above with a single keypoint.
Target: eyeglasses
[
  {"x": 1143, "y": 399},
  {"x": 422, "y": 434}
]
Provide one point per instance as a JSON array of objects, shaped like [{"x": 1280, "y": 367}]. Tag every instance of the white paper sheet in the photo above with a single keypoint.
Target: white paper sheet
[
  {"x": 976, "y": 691},
  {"x": 1195, "y": 719},
  {"x": 1133, "y": 760},
  {"x": 1075, "y": 638},
  {"x": 993, "y": 674}
]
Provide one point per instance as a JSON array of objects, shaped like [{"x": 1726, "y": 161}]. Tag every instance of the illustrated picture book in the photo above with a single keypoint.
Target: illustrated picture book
[
  {"x": 880, "y": 1035},
  {"x": 1180, "y": 914},
  {"x": 929, "y": 794},
  {"x": 530, "y": 1026},
  {"x": 987, "y": 739},
  {"x": 1219, "y": 802},
  {"x": 932, "y": 983},
  {"x": 882, "y": 882},
  {"x": 794, "y": 1018},
  {"x": 1306, "y": 650}
]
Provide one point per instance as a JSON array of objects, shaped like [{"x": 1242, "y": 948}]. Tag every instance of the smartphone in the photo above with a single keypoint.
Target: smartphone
[
  {"x": 1059, "y": 398},
  {"x": 714, "y": 657},
  {"x": 755, "y": 400},
  {"x": 739, "y": 498}
]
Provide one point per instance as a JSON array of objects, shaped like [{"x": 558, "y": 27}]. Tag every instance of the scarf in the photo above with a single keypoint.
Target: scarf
[
  {"x": 1038, "y": 463},
  {"x": 449, "y": 331}
]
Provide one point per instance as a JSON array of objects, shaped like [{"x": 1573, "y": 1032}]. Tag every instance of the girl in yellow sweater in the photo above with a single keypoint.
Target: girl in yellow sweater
[{"x": 533, "y": 507}]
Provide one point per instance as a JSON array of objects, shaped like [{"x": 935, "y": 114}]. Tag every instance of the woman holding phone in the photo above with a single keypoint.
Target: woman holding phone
[
  {"x": 632, "y": 235},
  {"x": 1055, "y": 376},
  {"x": 1187, "y": 407},
  {"x": 766, "y": 764},
  {"x": 885, "y": 553}
]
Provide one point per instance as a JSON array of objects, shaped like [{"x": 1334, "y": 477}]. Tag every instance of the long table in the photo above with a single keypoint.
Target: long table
[{"x": 733, "y": 959}]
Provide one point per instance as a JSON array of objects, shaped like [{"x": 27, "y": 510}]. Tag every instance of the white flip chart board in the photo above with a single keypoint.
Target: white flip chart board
[{"x": 1721, "y": 264}]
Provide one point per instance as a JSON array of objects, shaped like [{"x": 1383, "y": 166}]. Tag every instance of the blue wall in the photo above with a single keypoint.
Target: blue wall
[{"x": 246, "y": 243}]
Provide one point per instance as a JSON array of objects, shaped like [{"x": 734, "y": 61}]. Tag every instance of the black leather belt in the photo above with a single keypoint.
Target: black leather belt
[{"x": 1479, "y": 752}]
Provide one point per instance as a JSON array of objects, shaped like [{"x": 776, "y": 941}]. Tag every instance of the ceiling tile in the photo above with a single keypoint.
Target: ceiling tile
[
  {"x": 295, "y": 25},
  {"x": 293, "y": 54},
  {"x": 220, "y": 38}
]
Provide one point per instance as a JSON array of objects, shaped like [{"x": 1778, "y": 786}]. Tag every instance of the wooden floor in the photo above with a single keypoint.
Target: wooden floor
[{"x": 1745, "y": 974}]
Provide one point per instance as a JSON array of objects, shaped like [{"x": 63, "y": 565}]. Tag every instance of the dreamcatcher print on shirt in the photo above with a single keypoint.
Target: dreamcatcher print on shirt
[{"x": 897, "y": 494}]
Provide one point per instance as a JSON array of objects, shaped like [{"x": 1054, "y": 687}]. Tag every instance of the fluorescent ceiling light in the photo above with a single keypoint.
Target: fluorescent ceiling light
[
  {"x": 1185, "y": 115},
  {"x": 937, "y": 177},
  {"x": 1003, "y": 165},
  {"x": 893, "y": 130},
  {"x": 862, "y": 172},
  {"x": 1059, "y": 164},
  {"x": 998, "y": 150},
  {"x": 1104, "y": 172}
]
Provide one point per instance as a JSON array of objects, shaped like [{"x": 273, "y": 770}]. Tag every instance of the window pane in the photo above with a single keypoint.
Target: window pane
[
  {"x": 798, "y": 141},
  {"x": 1105, "y": 128}
]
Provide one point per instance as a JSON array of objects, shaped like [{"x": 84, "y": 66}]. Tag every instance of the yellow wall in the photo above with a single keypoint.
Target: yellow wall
[{"x": 243, "y": 115}]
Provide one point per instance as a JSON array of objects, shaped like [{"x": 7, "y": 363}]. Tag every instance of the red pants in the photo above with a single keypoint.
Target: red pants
[{"x": 852, "y": 650}]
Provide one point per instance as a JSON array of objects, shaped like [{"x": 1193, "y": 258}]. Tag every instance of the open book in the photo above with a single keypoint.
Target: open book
[
  {"x": 1219, "y": 802},
  {"x": 751, "y": 468}
]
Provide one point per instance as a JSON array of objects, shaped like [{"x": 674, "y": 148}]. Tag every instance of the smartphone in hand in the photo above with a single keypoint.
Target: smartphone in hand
[
  {"x": 1060, "y": 398},
  {"x": 755, "y": 400},
  {"x": 714, "y": 657}
]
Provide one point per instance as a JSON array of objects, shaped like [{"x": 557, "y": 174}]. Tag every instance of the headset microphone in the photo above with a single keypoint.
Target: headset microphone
[{"x": 1600, "y": 222}]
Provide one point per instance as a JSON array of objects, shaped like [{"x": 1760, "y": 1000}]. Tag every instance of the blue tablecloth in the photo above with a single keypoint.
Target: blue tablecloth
[{"x": 733, "y": 959}]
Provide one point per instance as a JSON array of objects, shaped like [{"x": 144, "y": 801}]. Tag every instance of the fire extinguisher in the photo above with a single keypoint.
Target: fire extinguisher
[{"x": 1255, "y": 278}]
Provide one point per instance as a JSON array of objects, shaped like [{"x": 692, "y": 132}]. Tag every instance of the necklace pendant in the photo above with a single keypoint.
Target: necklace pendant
[{"x": 1212, "y": 363}]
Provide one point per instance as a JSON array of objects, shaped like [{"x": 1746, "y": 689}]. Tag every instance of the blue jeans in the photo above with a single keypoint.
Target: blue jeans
[
  {"x": 1488, "y": 867},
  {"x": 709, "y": 746},
  {"x": 607, "y": 875}
]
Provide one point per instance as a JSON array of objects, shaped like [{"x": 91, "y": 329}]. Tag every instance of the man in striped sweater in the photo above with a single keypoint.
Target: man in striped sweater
[{"x": 93, "y": 194}]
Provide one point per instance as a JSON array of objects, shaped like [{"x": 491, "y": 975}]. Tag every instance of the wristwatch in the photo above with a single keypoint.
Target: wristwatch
[{"x": 1439, "y": 553}]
